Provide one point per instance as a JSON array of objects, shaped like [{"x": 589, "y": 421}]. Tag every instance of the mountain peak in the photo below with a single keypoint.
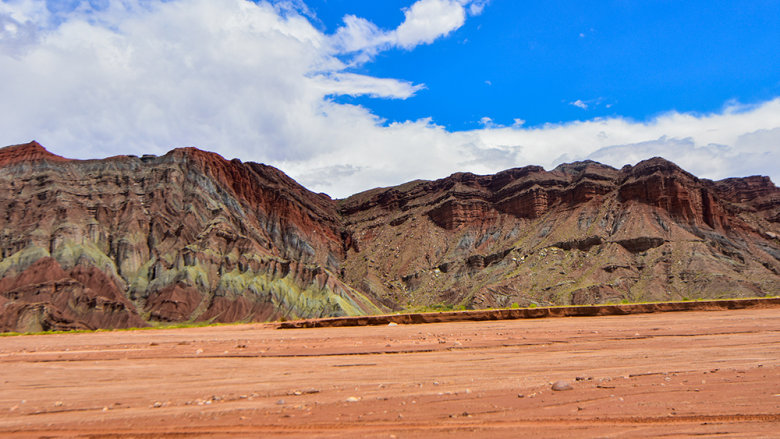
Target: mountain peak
[
  {"x": 27, "y": 152},
  {"x": 658, "y": 164}
]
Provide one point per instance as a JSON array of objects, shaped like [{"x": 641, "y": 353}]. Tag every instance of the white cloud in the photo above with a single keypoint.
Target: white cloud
[
  {"x": 353, "y": 85},
  {"x": 255, "y": 81},
  {"x": 487, "y": 122},
  {"x": 580, "y": 104},
  {"x": 477, "y": 6},
  {"x": 590, "y": 103},
  {"x": 358, "y": 34},
  {"x": 427, "y": 20},
  {"x": 424, "y": 22}
]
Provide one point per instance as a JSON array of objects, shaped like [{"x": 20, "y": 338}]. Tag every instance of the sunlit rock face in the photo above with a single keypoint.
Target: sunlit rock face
[{"x": 189, "y": 236}]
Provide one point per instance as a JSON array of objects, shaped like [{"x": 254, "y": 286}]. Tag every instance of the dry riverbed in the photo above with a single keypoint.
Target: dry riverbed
[{"x": 712, "y": 373}]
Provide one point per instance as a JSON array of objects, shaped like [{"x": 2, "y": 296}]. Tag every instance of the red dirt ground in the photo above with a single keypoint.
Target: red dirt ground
[{"x": 680, "y": 374}]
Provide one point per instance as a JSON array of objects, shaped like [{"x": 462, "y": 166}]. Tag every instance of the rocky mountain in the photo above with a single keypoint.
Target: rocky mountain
[
  {"x": 189, "y": 236},
  {"x": 581, "y": 233},
  {"x": 186, "y": 236}
]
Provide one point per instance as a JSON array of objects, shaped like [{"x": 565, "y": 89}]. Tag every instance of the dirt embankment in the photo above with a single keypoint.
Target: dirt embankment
[{"x": 534, "y": 313}]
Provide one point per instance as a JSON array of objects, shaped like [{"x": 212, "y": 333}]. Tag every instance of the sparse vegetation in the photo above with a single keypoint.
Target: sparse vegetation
[
  {"x": 439, "y": 307},
  {"x": 436, "y": 307},
  {"x": 153, "y": 325}
]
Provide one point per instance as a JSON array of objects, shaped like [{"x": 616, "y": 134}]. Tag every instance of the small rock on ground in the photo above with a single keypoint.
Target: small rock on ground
[{"x": 561, "y": 385}]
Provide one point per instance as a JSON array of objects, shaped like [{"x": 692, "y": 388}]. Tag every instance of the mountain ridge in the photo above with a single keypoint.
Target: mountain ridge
[{"x": 191, "y": 236}]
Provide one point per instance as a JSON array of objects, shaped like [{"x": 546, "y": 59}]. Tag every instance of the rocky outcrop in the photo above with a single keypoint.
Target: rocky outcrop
[
  {"x": 752, "y": 194},
  {"x": 189, "y": 236}
]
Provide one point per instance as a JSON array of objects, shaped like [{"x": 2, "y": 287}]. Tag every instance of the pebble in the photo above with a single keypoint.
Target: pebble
[
  {"x": 392, "y": 324},
  {"x": 353, "y": 399},
  {"x": 561, "y": 385}
]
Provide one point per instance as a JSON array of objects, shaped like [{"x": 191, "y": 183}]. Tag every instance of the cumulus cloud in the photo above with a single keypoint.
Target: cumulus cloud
[
  {"x": 424, "y": 22},
  {"x": 427, "y": 20},
  {"x": 360, "y": 35},
  {"x": 256, "y": 81},
  {"x": 732, "y": 142}
]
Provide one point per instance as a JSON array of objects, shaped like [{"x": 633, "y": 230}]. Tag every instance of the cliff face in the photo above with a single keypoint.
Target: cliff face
[{"x": 190, "y": 236}]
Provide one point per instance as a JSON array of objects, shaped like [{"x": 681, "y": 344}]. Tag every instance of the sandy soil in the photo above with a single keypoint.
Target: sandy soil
[{"x": 679, "y": 374}]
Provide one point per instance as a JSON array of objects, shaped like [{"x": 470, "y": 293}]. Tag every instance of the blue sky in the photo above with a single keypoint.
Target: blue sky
[
  {"x": 532, "y": 60},
  {"x": 347, "y": 95}
]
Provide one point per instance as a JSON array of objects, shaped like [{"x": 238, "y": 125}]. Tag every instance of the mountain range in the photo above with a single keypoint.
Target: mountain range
[{"x": 189, "y": 236}]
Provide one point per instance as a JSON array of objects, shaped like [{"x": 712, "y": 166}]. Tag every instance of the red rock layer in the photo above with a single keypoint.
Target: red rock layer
[{"x": 27, "y": 152}]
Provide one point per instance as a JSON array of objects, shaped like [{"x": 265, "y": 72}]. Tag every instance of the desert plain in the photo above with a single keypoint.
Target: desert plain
[{"x": 674, "y": 374}]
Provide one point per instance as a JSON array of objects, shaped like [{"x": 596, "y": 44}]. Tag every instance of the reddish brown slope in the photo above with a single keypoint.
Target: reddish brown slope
[{"x": 31, "y": 152}]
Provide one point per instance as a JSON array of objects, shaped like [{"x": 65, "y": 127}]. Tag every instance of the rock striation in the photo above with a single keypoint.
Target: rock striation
[{"x": 189, "y": 236}]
